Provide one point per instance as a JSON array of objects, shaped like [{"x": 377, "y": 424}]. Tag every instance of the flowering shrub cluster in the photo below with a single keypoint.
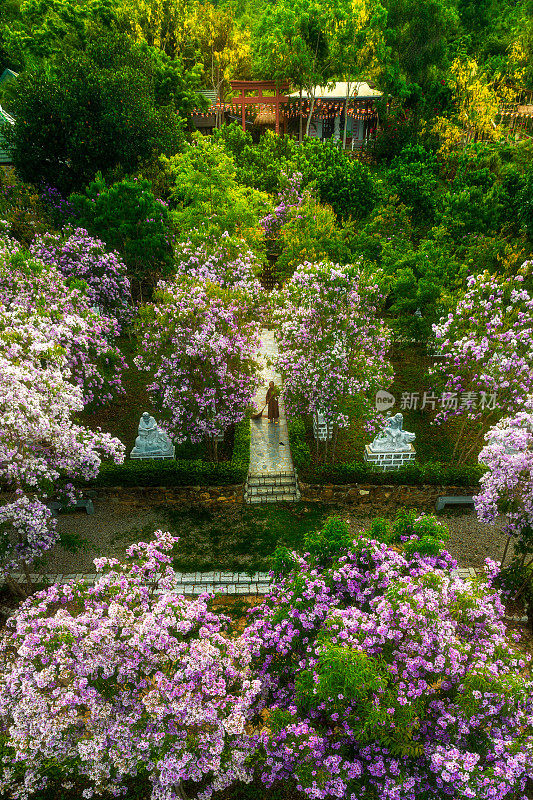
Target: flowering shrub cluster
[
  {"x": 487, "y": 342},
  {"x": 370, "y": 671},
  {"x": 384, "y": 676},
  {"x": 60, "y": 209},
  {"x": 332, "y": 345},
  {"x": 507, "y": 486},
  {"x": 29, "y": 288},
  {"x": 27, "y": 530},
  {"x": 200, "y": 345},
  {"x": 41, "y": 335},
  {"x": 114, "y": 681},
  {"x": 226, "y": 261},
  {"x": 291, "y": 196},
  {"x": 78, "y": 255}
]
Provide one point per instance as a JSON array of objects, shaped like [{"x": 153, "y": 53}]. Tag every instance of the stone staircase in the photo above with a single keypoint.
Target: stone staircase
[{"x": 280, "y": 487}]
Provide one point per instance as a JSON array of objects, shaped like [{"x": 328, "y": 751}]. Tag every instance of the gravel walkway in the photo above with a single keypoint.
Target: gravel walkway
[{"x": 115, "y": 524}]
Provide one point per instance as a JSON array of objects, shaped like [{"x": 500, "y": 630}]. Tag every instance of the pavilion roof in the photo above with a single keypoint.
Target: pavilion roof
[{"x": 338, "y": 91}]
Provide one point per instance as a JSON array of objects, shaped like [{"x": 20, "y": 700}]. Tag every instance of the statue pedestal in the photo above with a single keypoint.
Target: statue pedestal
[
  {"x": 138, "y": 454},
  {"x": 320, "y": 428},
  {"x": 388, "y": 461}
]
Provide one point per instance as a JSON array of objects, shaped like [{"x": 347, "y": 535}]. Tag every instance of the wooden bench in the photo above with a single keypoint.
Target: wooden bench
[
  {"x": 85, "y": 503},
  {"x": 454, "y": 500}
]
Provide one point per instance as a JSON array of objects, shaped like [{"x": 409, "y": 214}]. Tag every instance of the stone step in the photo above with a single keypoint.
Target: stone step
[
  {"x": 287, "y": 473},
  {"x": 271, "y": 481},
  {"x": 259, "y": 499},
  {"x": 267, "y": 491}
]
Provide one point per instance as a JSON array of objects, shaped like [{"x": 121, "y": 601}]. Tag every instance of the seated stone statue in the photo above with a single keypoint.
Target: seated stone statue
[
  {"x": 393, "y": 439},
  {"x": 152, "y": 442}
]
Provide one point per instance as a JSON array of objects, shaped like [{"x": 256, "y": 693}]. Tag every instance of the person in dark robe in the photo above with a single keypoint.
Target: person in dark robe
[{"x": 272, "y": 402}]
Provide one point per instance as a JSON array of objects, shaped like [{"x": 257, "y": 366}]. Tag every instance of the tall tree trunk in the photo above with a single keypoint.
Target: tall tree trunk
[
  {"x": 311, "y": 108},
  {"x": 348, "y": 84},
  {"x": 15, "y": 588},
  {"x": 334, "y": 447},
  {"x": 506, "y": 549},
  {"x": 300, "y": 119}
]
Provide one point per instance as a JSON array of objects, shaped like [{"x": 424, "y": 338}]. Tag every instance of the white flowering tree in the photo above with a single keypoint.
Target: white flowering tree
[
  {"x": 198, "y": 340},
  {"x": 40, "y": 444},
  {"x": 332, "y": 344}
]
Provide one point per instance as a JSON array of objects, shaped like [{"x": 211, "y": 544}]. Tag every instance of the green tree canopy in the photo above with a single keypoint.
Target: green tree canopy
[
  {"x": 291, "y": 43},
  {"x": 116, "y": 103}
]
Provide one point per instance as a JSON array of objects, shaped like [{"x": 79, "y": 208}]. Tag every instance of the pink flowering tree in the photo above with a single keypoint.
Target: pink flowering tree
[
  {"x": 199, "y": 343},
  {"x": 77, "y": 255},
  {"x": 332, "y": 344},
  {"x": 40, "y": 445},
  {"x": 487, "y": 369},
  {"x": 507, "y": 486},
  {"x": 226, "y": 261},
  {"x": 123, "y": 680},
  {"x": 386, "y": 676},
  {"x": 85, "y": 335}
]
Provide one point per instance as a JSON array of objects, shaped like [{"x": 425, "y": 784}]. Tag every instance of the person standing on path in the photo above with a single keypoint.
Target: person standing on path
[{"x": 272, "y": 402}]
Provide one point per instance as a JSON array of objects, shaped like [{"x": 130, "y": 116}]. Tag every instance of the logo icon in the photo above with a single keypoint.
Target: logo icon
[{"x": 384, "y": 400}]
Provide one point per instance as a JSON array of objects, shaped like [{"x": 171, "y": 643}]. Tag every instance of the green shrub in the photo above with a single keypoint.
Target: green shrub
[
  {"x": 394, "y": 134},
  {"x": 526, "y": 204},
  {"x": 414, "y": 182},
  {"x": 341, "y": 181},
  {"x": 327, "y": 544},
  {"x": 130, "y": 219},
  {"x": 260, "y": 165},
  {"x": 424, "y": 535},
  {"x": 431, "y": 473},
  {"x": 311, "y": 233},
  {"x": 283, "y": 561}
]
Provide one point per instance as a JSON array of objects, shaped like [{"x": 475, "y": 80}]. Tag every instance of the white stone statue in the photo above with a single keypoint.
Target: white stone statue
[
  {"x": 152, "y": 442},
  {"x": 393, "y": 439}
]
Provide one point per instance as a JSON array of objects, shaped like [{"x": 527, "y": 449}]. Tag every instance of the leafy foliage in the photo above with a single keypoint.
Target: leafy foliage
[
  {"x": 130, "y": 219},
  {"x": 384, "y": 675},
  {"x": 94, "y": 110}
]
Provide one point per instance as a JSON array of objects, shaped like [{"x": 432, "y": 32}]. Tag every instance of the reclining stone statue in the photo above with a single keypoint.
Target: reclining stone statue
[{"x": 393, "y": 439}]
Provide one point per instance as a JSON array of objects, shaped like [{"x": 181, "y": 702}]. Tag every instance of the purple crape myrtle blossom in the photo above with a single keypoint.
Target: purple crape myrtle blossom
[
  {"x": 115, "y": 680},
  {"x": 27, "y": 530},
  {"x": 40, "y": 444},
  {"x": 507, "y": 486},
  {"x": 384, "y": 676},
  {"x": 78, "y": 255},
  {"x": 291, "y": 196},
  {"x": 200, "y": 343},
  {"x": 59, "y": 207},
  {"x": 333, "y": 346},
  {"x": 226, "y": 261},
  {"x": 487, "y": 341},
  {"x": 29, "y": 286}
]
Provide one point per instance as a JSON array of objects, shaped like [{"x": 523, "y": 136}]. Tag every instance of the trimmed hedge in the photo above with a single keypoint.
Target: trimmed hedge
[
  {"x": 152, "y": 472},
  {"x": 300, "y": 451},
  {"x": 432, "y": 473}
]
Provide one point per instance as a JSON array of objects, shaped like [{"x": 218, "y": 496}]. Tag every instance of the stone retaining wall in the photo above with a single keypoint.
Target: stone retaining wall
[
  {"x": 369, "y": 498},
  {"x": 172, "y": 495},
  {"x": 379, "y": 498}
]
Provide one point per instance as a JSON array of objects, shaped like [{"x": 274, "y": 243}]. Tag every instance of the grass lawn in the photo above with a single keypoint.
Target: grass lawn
[{"x": 239, "y": 538}]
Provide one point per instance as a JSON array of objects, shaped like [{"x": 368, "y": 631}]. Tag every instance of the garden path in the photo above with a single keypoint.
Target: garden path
[{"x": 271, "y": 476}]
